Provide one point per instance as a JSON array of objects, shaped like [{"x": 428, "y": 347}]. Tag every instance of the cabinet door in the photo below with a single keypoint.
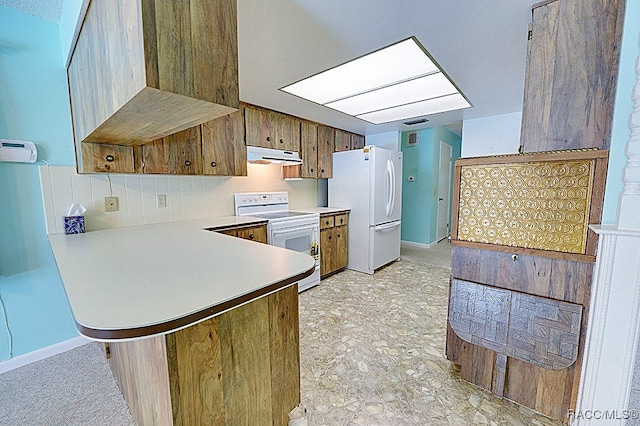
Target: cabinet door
[
  {"x": 98, "y": 157},
  {"x": 309, "y": 148},
  {"x": 259, "y": 129},
  {"x": 180, "y": 153},
  {"x": 255, "y": 233},
  {"x": 357, "y": 141},
  {"x": 223, "y": 149},
  {"x": 571, "y": 75},
  {"x": 342, "y": 140},
  {"x": 325, "y": 151},
  {"x": 341, "y": 247},
  {"x": 326, "y": 251},
  {"x": 287, "y": 132}
]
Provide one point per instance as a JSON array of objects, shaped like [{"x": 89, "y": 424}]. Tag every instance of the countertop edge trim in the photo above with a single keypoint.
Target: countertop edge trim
[{"x": 179, "y": 323}]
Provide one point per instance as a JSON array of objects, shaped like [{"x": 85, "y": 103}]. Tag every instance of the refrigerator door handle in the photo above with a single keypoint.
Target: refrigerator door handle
[
  {"x": 391, "y": 190},
  {"x": 387, "y": 226},
  {"x": 393, "y": 187}
]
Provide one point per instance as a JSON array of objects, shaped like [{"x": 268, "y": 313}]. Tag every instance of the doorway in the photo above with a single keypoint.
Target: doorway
[{"x": 444, "y": 191}]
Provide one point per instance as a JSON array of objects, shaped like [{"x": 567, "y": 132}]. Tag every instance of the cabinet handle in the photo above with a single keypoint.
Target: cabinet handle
[
  {"x": 251, "y": 236},
  {"x": 321, "y": 170},
  {"x": 338, "y": 235},
  {"x": 268, "y": 138},
  {"x": 341, "y": 220},
  {"x": 281, "y": 140},
  {"x": 329, "y": 236},
  {"x": 110, "y": 158},
  {"x": 311, "y": 170},
  {"x": 326, "y": 222},
  {"x": 187, "y": 163},
  {"x": 213, "y": 164}
]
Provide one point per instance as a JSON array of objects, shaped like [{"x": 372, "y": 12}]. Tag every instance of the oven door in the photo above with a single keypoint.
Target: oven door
[{"x": 302, "y": 238}]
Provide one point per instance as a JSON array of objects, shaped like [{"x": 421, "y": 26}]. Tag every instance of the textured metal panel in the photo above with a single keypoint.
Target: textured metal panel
[
  {"x": 543, "y": 332},
  {"x": 540, "y": 205}
]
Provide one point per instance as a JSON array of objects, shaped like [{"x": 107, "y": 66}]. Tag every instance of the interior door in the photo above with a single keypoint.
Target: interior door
[{"x": 444, "y": 191}]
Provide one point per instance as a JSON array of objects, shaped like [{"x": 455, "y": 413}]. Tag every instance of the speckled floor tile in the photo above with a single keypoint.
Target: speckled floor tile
[{"x": 373, "y": 353}]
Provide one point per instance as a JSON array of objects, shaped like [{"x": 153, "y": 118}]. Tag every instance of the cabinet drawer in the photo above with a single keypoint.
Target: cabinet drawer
[
  {"x": 326, "y": 222},
  {"x": 341, "y": 219}
]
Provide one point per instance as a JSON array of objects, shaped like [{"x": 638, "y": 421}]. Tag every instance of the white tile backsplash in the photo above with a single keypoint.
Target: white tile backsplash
[{"x": 188, "y": 197}]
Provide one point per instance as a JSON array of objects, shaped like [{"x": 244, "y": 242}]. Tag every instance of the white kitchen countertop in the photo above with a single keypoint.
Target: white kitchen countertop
[
  {"x": 325, "y": 210},
  {"x": 138, "y": 281}
]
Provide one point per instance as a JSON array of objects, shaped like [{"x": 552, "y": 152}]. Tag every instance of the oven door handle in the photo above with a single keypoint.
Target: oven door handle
[{"x": 289, "y": 230}]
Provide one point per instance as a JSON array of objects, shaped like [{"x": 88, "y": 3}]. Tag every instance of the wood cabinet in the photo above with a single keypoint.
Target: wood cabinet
[
  {"x": 571, "y": 74},
  {"x": 108, "y": 158},
  {"x": 223, "y": 150},
  {"x": 325, "y": 151},
  {"x": 271, "y": 129},
  {"x": 334, "y": 242},
  {"x": 241, "y": 367},
  {"x": 533, "y": 241},
  {"x": 180, "y": 154},
  {"x": 142, "y": 70},
  {"x": 257, "y": 233},
  {"x": 345, "y": 141}
]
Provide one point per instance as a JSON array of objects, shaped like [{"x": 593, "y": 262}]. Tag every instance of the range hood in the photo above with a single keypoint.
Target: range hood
[{"x": 259, "y": 155}]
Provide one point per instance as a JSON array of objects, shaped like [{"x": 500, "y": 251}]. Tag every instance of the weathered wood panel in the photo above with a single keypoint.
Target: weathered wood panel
[
  {"x": 244, "y": 335},
  {"x": 223, "y": 149},
  {"x": 325, "y": 151},
  {"x": 285, "y": 353},
  {"x": 140, "y": 369},
  {"x": 194, "y": 362},
  {"x": 572, "y": 74}
]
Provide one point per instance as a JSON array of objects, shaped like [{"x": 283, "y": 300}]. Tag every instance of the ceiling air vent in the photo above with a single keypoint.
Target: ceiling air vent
[
  {"x": 418, "y": 121},
  {"x": 412, "y": 138}
]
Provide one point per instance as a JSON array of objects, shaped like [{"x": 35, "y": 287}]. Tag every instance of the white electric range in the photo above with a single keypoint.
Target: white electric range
[{"x": 290, "y": 229}]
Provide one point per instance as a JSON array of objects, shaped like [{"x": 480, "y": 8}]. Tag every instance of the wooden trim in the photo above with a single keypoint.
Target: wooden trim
[
  {"x": 455, "y": 206},
  {"x": 576, "y": 257},
  {"x": 173, "y": 325},
  {"x": 541, "y": 3},
  {"x": 236, "y": 227},
  {"x": 578, "y": 154}
]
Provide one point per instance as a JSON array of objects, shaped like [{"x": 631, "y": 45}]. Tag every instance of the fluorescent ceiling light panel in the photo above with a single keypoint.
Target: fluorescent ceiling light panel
[
  {"x": 390, "y": 82},
  {"x": 435, "y": 85},
  {"x": 429, "y": 106}
]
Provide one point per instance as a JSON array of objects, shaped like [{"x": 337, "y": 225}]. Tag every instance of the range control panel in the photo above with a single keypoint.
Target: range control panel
[{"x": 261, "y": 198}]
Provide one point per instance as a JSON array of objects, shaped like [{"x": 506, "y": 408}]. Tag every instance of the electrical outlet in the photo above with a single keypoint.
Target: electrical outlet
[
  {"x": 111, "y": 204},
  {"x": 162, "y": 201}
]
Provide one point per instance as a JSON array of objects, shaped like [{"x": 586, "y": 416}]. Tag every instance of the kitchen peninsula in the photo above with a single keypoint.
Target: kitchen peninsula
[{"x": 200, "y": 327}]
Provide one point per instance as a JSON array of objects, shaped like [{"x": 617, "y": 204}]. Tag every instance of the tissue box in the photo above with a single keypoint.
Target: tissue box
[{"x": 73, "y": 224}]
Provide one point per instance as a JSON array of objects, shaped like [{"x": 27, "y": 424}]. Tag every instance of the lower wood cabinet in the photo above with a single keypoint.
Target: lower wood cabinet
[
  {"x": 256, "y": 233},
  {"x": 334, "y": 242},
  {"x": 239, "y": 368}
]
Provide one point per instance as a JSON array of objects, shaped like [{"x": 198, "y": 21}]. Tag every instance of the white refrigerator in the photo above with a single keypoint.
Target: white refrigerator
[{"x": 369, "y": 182}]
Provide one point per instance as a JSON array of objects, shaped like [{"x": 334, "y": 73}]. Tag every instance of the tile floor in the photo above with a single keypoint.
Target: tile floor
[{"x": 373, "y": 351}]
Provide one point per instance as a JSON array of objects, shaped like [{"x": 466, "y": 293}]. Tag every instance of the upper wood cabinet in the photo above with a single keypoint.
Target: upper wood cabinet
[
  {"x": 325, "y": 151},
  {"x": 271, "y": 129},
  {"x": 309, "y": 148},
  {"x": 223, "y": 149},
  {"x": 145, "y": 69},
  {"x": 345, "y": 141},
  {"x": 342, "y": 141},
  {"x": 571, "y": 77},
  {"x": 180, "y": 154}
]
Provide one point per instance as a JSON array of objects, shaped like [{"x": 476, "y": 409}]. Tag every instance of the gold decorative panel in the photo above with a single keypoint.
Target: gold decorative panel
[{"x": 539, "y": 205}]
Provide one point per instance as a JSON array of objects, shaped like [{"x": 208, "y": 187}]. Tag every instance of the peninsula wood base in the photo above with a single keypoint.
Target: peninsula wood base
[{"x": 241, "y": 367}]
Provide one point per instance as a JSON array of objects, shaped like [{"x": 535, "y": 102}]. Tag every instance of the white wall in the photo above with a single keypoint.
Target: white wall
[
  {"x": 389, "y": 140},
  {"x": 499, "y": 134}
]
